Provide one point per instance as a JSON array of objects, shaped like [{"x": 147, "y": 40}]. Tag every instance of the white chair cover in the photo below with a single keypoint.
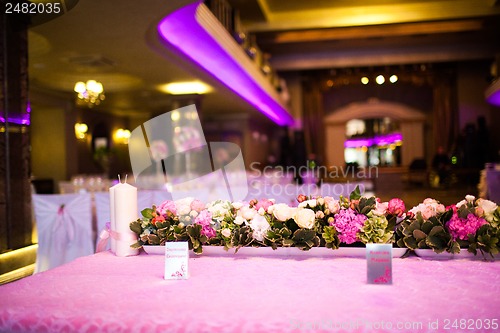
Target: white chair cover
[
  {"x": 64, "y": 227},
  {"x": 102, "y": 207}
]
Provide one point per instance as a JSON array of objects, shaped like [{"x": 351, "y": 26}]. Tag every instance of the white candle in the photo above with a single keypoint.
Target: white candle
[
  {"x": 125, "y": 211},
  {"x": 112, "y": 214}
]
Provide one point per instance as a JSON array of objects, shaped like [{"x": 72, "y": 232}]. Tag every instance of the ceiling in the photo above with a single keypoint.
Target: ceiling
[{"x": 113, "y": 41}]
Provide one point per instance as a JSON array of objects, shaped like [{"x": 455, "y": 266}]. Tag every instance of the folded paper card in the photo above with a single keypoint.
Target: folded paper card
[
  {"x": 379, "y": 263},
  {"x": 176, "y": 260}
]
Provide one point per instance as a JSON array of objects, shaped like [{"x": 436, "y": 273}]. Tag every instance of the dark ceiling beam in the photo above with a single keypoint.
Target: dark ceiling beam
[{"x": 407, "y": 29}]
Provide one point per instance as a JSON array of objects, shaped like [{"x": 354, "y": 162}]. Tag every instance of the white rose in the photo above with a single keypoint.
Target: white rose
[
  {"x": 305, "y": 218},
  {"x": 320, "y": 214},
  {"x": 239, "y": 220},
  {"x": 226, "y": 232},
  {"x": 237, "y": 204},
  {"x": 489, "y": 208},
  {"x": 320, "y": 201},
  {"x": 261, "y": 211},
  {"x": 183, "y": 206},
  {"x": 246, "y": 212},
  {"x": 282, "y": 212},
  {"x": 461, "y": 203},
  {"x": 311, "y": 203},
  {"x": 470, "y": 198}
]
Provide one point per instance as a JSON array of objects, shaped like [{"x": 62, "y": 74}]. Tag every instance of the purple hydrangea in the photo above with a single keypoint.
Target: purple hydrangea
[
  {"x": 205, "y": 219},
  {"x": 461, "y": 228},
  {"x": 347, "y": 223}
]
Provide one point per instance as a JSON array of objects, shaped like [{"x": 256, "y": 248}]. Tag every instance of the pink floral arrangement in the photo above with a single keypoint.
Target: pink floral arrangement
[
  {"x": 205, "y": 220},
  {"x": 323, "y": 221},
  {"x": 348, "y": 223},
  {"x": 461, "y": 228}
]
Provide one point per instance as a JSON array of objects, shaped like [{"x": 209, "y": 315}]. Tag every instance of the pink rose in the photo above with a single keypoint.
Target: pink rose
[
  {"x": 264, "y": 204},
  {"x": 396, "y": 207},
  {"x": 167, "y": 205},
  {"x": 380, "y": 208},
  {"x": 332, "y": 205},
  {"x": 197, "y": 205}
]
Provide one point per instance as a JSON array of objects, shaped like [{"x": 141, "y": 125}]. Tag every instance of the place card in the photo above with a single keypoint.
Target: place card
[
  {"x": 379, "y": 263},
  {"x": 176, "y": 260}
]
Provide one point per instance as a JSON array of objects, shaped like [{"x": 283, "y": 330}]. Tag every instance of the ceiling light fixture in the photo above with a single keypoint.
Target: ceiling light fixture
[
  {"x": 185, "y": 31},
  {"x": 185, "y": 88},
  {"x": 393, "y": 78},
  {"x": 380, "y": 79},
  {"x": 365, "y": 80},
  {"x": 90, "y": 92}
]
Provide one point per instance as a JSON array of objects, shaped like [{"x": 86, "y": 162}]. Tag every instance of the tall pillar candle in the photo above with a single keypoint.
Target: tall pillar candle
[
  {"x": 125, "y": 211},
  {"x": 112, "y": 215}
]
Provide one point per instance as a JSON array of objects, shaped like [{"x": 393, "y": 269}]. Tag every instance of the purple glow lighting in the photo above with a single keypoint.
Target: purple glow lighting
[
  {"x": 182, "y": 30},
  {"x": 355, "y": 143},
  {"x": 15, "y": 120},
  {"x": 493, "y": 93},
  {"x": 378, "y": 140}
]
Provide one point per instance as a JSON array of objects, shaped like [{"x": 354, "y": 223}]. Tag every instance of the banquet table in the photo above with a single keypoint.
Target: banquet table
[{"x": 106, "y": 293}]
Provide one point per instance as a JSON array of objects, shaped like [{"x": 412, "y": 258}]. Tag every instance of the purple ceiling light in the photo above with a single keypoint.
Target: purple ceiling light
[
  {"x": 493, "y": 93},
  {"x": 182, "y": 30},
  {"x": 378, "y": 140}
]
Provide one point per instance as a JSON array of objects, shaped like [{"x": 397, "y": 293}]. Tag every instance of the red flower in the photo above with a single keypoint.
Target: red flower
[
  {"x": 301, "y": 198},
  {"x": 157, "y": 218}
]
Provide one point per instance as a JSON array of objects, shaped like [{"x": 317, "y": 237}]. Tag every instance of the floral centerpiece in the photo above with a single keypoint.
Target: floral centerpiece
[
  {"x": 315, "y": 221},
  {"x": 471, "y": 224}
]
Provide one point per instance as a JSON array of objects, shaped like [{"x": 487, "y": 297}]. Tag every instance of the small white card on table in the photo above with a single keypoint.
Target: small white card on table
[
  {"x": 379, "y": 263},
  {"x": 176, "y": 260}
]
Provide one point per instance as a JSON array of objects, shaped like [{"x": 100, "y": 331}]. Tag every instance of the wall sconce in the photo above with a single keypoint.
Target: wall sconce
[
  {"x": 122, "y": 135},
  {"x": 81, "y": 131}
]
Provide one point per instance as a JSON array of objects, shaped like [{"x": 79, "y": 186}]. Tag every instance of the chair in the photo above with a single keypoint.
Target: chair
[
  {"x": 64, "y": 227},
  {"x": 102, "y": 208}
]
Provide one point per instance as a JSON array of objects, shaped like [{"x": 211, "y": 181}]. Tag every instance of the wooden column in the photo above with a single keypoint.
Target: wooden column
[{"x": 15, "y": 193}]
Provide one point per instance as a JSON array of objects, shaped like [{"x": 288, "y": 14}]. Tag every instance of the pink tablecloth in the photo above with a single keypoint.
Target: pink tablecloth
[{"x": 104, "y": 293}]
